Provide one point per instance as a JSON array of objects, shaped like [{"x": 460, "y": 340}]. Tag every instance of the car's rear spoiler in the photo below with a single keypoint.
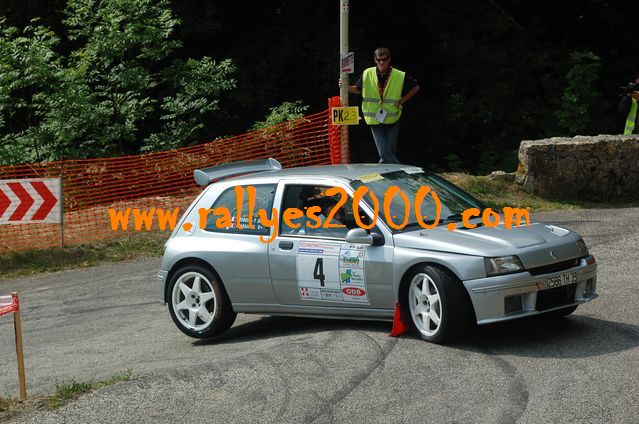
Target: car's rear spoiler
[{"x": 206, "y": 176}]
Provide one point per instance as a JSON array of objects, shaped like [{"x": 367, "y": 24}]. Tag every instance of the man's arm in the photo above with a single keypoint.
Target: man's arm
[
  {"x": 408, "y": 95},
  {"x": 357, "y": 88}
]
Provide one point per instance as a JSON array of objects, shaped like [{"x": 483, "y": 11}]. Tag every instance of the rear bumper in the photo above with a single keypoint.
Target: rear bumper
[{"x": 520, "y": 295}]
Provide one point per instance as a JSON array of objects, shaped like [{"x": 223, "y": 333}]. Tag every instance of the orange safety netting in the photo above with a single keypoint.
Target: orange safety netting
[{"x": 158, "y": 180}]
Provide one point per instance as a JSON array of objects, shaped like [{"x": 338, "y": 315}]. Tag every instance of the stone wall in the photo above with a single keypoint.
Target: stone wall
[{"x": 587, "y": 168}]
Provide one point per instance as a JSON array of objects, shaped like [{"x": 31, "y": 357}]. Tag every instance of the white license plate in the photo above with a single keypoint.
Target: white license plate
[{"x": 561, "y": 280}]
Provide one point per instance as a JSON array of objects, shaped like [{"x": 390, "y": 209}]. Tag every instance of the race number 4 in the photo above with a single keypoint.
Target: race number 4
[{"x": 318, "y": 271}]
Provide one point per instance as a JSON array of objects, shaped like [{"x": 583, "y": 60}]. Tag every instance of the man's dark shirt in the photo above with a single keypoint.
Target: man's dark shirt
[
  {"x": 624, "y": 108},
  {"x": 409, "y": 82},
  {"x": 624, "y": 105}
]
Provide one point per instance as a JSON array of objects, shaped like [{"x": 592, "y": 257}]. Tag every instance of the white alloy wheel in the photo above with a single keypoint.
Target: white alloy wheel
[
  {"x": 194, "y": 301},
  {"x": 425, "y": 304}
]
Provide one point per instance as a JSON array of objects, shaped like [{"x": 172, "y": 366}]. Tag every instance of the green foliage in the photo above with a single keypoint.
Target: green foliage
[
  {"x": 287, "y": 111},
  {"x": 118, "y": 89},
  {"x": 492, "y": 73},
  {"x": 278, "y": 130},
  {"x": 29, "y": 73},
  {"x": 580, "y": 97},
  {"x": 453, "y": 162},
  {"x": 196, "y": 86},
  {"x": 497, "y": 159}
]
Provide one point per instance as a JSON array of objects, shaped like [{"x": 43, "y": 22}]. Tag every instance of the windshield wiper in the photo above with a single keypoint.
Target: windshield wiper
[
  {"x": 417, "y": 224},
  {"x": 456, "y": 217}
]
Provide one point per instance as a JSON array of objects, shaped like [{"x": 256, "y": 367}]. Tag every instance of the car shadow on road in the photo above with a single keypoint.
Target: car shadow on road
[
  {"x": 278, "y": 326},
  {"x": 575, "y": 336}
]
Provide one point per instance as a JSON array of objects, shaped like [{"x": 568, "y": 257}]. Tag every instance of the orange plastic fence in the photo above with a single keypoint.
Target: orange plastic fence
[{"x": 158, "y": 180}]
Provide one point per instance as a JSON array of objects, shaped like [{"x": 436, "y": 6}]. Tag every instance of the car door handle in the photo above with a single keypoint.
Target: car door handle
[{"x": 286, "y": 245}]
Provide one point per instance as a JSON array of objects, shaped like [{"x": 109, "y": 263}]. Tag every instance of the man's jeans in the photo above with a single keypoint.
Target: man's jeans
[{"x": 385, "y": 136}]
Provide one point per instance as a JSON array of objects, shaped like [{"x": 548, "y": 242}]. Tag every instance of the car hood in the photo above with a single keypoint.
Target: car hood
[{"x": 492, "y": 242}]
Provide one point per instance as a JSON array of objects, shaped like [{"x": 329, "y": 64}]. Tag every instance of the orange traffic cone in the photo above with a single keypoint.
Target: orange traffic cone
[{"x": 401, "y": 323}]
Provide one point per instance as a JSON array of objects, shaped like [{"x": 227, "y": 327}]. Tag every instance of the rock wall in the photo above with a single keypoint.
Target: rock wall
[{"x": 587, "y": 168}]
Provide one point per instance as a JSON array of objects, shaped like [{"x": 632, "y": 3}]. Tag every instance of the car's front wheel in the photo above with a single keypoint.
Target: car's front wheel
[
  {"x": 199, "y": 304},
  {"x": 438, "y": 306}
]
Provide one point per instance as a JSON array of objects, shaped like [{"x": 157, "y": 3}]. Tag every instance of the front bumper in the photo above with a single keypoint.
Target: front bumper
[{"x": 519, "y": 295}]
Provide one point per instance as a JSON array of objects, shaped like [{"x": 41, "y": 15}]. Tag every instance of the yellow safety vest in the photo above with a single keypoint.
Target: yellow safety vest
[
  {"x": 372, "y": 101},
  {"x": 632, "y": 118}
]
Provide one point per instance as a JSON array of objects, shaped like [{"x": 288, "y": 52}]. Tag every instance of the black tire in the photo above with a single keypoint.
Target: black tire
[
  {"x": 454, "y": 310},
  {"x": 560, "y": 313},
  {"x": 211, "y": 296}
]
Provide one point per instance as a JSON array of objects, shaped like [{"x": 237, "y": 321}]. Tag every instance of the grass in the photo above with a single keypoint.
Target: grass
[
  {"x": 64, "y": 393},
  {"x": 6, "y": 404},
  {"x": 71, "y": 390},
  {"x": 499, "y": 194},
  {"x": 29, "y": 262}
]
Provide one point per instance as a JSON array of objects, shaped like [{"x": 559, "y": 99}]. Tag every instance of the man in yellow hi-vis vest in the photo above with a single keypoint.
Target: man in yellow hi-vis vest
[
  {"x": 384, "y": 90},
  {"x": 628, "y": 108}
]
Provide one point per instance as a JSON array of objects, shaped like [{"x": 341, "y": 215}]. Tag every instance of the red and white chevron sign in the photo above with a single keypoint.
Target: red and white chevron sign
[{"x": 30, "y": 200}]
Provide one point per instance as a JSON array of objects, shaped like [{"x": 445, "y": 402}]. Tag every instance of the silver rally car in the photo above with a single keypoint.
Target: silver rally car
[{"x": 348, "y": 251}]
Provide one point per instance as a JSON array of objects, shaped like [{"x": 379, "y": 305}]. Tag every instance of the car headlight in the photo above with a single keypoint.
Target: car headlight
[
  {"x": 502, "y": 265},
  {"x": 581, "y": 245}
]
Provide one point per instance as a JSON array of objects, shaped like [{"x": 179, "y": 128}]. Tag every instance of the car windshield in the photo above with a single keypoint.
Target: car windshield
[{"x": 453, "y": 200}]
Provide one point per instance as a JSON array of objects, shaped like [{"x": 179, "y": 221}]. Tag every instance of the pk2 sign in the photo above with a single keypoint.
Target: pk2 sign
[{"x": 346, "y": 115}]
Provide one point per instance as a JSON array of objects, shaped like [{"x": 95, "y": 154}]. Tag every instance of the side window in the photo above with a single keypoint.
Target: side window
[
  {"x": 228, "y": 201},
  {"x": 317, "y": 208}
]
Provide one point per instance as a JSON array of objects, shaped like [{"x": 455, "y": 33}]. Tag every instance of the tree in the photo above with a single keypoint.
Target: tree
[
  {"x": 119, "y": 89},
  {"x": 580, "y": 98},
  {"x": 29, "y": 72}
]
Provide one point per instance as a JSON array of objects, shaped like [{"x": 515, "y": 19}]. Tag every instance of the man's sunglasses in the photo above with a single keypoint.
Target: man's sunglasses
[{"x": 381, "y": 59}]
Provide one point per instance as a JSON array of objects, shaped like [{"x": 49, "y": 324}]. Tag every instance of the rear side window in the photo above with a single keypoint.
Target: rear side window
[{"x": 264, "y": 195}]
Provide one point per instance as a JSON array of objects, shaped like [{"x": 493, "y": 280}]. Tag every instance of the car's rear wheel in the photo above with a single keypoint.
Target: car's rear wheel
[
  {"x": 199, "y": 305},
  {"x": 439, "y": 308}
]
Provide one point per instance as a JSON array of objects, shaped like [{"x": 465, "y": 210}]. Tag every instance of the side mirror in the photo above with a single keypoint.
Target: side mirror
[{"x": 361, "y": 236}]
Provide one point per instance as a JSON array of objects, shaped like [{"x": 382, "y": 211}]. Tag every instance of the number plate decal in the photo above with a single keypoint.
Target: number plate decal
[
  {"x": 561, "y": 280},
  {"x": 331, "y": 272}
]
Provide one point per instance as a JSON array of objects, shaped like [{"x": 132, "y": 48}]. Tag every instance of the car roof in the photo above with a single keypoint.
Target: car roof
[{"x": 349, "y": 172}]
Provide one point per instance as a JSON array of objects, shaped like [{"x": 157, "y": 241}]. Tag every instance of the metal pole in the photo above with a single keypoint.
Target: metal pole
[
  {"x": 343, "y": 92},
  {"x": 19, "y": 354}
]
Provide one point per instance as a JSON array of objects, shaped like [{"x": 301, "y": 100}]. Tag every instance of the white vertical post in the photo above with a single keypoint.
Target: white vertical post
[{"x": 343, "y": 93}]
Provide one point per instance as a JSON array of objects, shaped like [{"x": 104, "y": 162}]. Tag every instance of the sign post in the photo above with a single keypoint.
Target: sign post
[
  {"x": 10, "y": 304},
  {"x": 343, "y": 92}
]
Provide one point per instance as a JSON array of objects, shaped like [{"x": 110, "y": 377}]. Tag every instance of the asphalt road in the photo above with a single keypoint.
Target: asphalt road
[{"x": 93, "y": 323}]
